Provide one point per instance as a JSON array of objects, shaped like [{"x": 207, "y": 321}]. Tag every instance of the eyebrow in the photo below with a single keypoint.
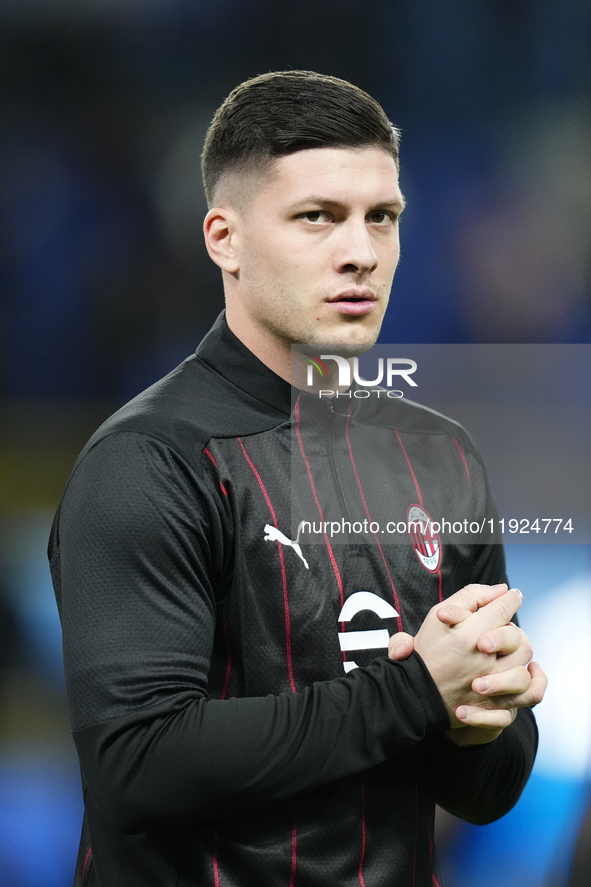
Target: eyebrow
[{"x": 337, "y": 204}]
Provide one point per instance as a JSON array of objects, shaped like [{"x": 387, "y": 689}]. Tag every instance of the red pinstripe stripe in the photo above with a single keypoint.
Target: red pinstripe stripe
[
  {"x": 361, "y": 881},
  {"x": 209, "y": 455},
  {"x": 294, "y": 832},
  {"x": 435, "y": 881},
  {"x": 418, "y": 489},
  {"x": 86, "y": 861},
  {"x": 318, "y": 506},
  {"x": 283, "y": 574},
  {"x": 216, "y": 874},
  {"x": 370, "y": 520},
  {"x": 411, "y": 469},
  {"x": 227, "y": 678},
  {"x": 294, "y": 845},
  {"x": 461, "y": 452},
  {"x": 440, "y": 585}
]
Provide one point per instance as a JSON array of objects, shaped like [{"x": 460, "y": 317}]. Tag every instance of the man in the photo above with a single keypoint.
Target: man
[{"x": 224, "y": 734}]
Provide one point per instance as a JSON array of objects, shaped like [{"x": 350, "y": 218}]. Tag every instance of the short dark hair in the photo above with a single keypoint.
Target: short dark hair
[{"x": 282, "y": 112}]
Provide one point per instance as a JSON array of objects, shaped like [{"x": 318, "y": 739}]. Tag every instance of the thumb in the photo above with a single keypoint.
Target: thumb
[{"x": 401, "y": 646}]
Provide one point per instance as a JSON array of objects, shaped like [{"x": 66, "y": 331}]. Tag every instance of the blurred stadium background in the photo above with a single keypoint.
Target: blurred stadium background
[{"x": 105, "y": 286}]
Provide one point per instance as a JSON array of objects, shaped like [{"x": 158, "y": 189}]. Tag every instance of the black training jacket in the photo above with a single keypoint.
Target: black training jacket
[{"x": 237, "y": 720}]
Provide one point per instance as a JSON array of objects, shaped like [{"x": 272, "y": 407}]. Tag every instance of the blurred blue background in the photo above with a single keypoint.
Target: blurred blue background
[{"x": 105, "y": 286}]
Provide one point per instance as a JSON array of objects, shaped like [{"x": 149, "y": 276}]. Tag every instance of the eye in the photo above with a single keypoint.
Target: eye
[
  {"x": 381, "y": 217},
  {"x": 315, "y": 215}
]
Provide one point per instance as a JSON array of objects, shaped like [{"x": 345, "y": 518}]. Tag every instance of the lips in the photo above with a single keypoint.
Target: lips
[{"x": 353, "y": 302}]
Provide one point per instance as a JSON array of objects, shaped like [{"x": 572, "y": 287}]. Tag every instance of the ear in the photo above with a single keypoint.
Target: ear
[{"x": 220, "y": 230}]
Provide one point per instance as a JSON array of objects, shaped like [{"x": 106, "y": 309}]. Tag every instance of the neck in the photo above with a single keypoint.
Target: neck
[
  {"x": 277, "y": 355},
  {"x": 274, "y": 354}
]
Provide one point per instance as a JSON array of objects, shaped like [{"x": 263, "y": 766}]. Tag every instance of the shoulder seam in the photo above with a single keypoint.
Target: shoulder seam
[{"x": 121, "y": 431}]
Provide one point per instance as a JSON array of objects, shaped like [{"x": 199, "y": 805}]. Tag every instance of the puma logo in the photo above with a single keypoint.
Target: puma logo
[{"x": 272, "y": 534}]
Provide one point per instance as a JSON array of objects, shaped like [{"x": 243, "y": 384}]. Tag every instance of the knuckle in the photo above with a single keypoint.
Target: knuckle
[
  {"x": 512, "y": 640},
  {"x": 525, "y": 679},
  {"x": 528, "y": 650},
  {"x": 502, "y": 718},
  {"x": 436, "y": 607},
  {"x": 525, "y": 645},
  {"x": 505, "y": 609}
]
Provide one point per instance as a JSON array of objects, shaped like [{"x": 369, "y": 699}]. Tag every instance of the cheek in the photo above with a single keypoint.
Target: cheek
[
  {"x": 268, "y": 258},
  {"x": 389, "y": 258},
  {"x": 290, "y": 271}
]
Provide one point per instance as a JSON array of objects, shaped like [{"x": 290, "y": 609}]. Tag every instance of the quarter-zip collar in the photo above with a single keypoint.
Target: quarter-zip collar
[
  {"x": 223, "y": 351},
  {"x": 227, "y": 355}
]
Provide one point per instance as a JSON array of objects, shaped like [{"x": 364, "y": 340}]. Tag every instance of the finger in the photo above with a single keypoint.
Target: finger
[
  {"x": 450, "y": 614},
  {"x": 490, "y": 719},
  {"x": 471, "y": 597},
  {"x": 505, "y": 640},
  {"x": 504, "y": 662},
  {"x": 539, "y": 682},
  {"x": 400, "y": 646},
  {"x": 498, "y": 612},
  {"x": 466, "y": 601},
  {"x": 513, "y": 682},
  {"x": 532, "y": 695}
]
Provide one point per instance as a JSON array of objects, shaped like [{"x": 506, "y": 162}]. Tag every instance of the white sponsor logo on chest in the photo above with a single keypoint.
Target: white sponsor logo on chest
[{"x": 272, "y": 534}]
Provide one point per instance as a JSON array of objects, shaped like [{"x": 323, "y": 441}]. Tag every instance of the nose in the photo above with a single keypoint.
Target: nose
[{"x": 355, "y": 250}]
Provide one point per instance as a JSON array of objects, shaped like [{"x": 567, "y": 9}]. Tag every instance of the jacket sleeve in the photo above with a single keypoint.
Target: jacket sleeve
[
  {"x": 135, "y": 555},
  {"x": 483, "y": 782}
]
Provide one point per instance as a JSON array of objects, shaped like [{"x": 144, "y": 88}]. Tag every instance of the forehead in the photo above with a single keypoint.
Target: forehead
[{"x": 335, "y": 174}]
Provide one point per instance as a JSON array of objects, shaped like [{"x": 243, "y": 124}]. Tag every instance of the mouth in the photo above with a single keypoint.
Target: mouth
[{"x": 354, "y": 302}]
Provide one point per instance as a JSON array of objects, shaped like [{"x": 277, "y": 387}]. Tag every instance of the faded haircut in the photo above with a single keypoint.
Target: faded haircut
[{"x": 282, "y": 112}]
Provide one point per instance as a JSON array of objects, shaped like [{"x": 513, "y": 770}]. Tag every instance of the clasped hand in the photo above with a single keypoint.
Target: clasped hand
[{"x": 479, "y": 660}]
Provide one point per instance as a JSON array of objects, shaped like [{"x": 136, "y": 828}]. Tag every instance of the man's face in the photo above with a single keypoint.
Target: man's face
[{"x": 317, "y": 246}]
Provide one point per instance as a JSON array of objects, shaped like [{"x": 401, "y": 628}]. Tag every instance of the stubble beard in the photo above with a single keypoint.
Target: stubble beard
[{"x": 284, "y": 326}]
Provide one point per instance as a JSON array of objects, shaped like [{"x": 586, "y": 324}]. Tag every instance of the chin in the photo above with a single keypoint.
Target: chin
[
  {"x": 352, "y": 349},
  {"x": 353, "y": 340}
]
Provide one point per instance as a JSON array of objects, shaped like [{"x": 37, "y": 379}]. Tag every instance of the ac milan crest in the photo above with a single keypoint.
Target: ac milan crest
[{"x": 426, "y": 543}]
